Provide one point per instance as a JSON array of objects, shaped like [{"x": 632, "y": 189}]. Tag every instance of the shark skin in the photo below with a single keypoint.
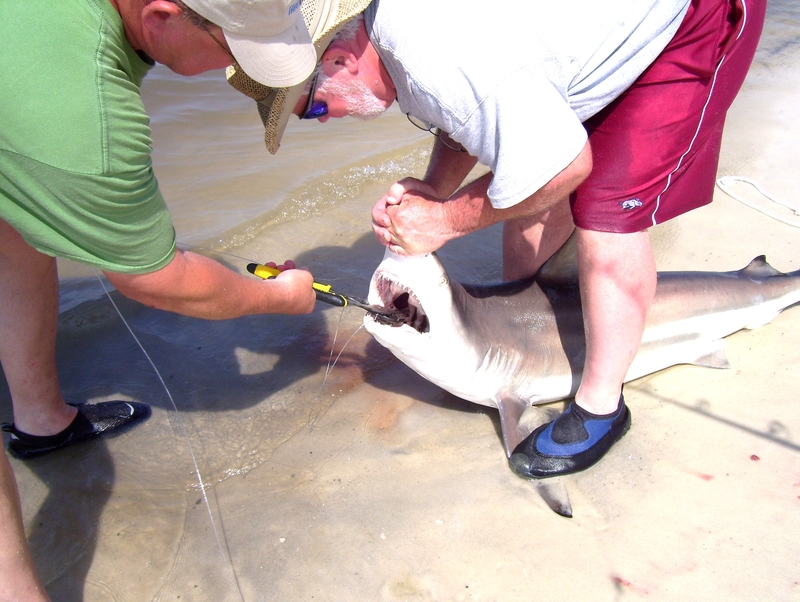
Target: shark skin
[{"x": 518, "y": 344}]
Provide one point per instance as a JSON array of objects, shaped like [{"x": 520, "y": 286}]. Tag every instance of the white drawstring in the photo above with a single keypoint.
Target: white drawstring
[{"x": 726, "y": 183}]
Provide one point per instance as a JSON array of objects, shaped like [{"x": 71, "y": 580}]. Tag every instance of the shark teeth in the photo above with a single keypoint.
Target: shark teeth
[{"x": 394, "y": 295}]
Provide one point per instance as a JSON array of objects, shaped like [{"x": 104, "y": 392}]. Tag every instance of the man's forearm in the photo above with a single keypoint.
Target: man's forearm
[
  {"x": 196, "y": 286},
  {"x": 447, "y": 168},
  {"x": 470, "y": 208}
]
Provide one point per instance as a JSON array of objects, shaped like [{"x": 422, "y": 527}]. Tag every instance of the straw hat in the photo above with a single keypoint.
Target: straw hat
[{"x": 323, "y": 19}]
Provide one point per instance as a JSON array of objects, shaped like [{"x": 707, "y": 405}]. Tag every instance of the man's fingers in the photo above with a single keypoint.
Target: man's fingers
[
  {"x": 379, "y": 216},
  {"x": 380, "y": 221},
  {"x": 382, "y": 235},
  {"x": 395, "y": 194},
  {"x": 286, "y": 265}
]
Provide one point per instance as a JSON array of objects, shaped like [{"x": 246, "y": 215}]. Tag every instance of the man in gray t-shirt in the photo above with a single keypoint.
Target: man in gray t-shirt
[{"x": 603, "y": 117}]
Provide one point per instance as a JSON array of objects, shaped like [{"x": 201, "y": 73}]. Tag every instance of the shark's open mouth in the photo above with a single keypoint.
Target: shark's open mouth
[{"x": 394, "y": 295}]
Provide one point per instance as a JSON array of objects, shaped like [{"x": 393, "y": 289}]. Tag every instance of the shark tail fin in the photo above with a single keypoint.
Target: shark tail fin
[{"x": 515, "y": 429}]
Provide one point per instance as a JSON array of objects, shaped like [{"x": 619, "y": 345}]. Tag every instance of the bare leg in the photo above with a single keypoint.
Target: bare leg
[
  {"x": 618, "y": 279},
  {"x": 28, "y": 320},
  {"x": 18, "y": 579},
  {"x": 530, "y": 241},
  {"x": 618, "y": 282}
]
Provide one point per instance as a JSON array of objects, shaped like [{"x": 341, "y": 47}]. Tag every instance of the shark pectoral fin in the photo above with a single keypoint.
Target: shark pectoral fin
[
  {"x": 515, "y": 429},
  {"x": 518, "y": 420},
  {"x": 511, "y": 411},
  {"x": 555, "y": 495}
]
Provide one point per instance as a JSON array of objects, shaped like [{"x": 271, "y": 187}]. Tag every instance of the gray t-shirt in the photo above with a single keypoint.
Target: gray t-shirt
[{"x": 513, "y": 81}]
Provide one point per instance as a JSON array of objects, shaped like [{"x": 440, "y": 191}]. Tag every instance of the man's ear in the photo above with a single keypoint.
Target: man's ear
[
  {"x": 158, "y": 15},
  {"x": 340, "y": 55}
]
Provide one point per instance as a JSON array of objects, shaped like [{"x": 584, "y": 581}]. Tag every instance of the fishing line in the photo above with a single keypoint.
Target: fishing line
[
  {"x": 347, "y": 342},
  {"x": 191, "y": 247},
  {"x": 725, "y": 184},
  {"x": 185, "y": 434},
  {"x": 310, "y": 422},
  {"x": 312, "y": 419},
  {"x": 330, "y": 365}
]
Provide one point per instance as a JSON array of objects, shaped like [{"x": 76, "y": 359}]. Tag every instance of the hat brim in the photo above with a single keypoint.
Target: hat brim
[
  {"x": 273, "y": 135},
  {"x": 275, "y": 105},
  {"x": 280, "y": 61}
]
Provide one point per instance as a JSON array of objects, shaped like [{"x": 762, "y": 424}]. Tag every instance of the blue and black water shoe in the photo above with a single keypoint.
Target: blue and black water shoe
[{"x": 572, "y": 442}]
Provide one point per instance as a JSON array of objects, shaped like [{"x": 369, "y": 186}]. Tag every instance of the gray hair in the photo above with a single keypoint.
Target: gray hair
[
  {"x": 192, "y": 16},
  {"x": 349, "y": 29}
]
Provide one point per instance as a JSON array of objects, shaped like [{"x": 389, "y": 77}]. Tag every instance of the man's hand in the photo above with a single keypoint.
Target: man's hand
[
  {"x": 287, "y": 265},
  {"x": 410, "y": 219},
  {"x": 299, "y": 292}
]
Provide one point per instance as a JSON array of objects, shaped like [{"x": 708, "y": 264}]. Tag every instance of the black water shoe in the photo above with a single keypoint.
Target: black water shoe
[
  {"x": 91, "y": 420},
  {"x": 572, "y": 442}
]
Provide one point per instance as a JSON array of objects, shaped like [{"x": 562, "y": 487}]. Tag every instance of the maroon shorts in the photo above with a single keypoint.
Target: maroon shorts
[{"x": 655, "y": 149}]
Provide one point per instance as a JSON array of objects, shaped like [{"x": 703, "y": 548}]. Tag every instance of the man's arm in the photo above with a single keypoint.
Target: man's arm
[
  {"x": 421, "y": 222},
  {"x": 200, "y": 287},
  {"x": 447, "y": 168}
]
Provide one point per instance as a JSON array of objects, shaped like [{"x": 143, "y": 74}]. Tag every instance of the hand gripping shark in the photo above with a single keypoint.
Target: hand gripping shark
[{"x": 521, "y": 343}]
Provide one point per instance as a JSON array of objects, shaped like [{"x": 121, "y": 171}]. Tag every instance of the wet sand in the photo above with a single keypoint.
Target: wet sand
[{"x": 372, "y": 484}]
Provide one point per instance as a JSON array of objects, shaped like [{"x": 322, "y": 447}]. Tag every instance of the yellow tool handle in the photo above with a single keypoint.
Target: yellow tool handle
[{"x": 324, "y": 292}]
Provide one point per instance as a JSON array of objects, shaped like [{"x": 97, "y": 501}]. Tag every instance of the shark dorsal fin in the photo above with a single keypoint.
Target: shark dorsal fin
[{"x": 759, "y": 268}]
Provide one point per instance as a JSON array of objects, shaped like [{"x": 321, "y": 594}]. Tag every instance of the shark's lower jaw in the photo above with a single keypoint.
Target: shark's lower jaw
[{"x": 394, "y": 295}]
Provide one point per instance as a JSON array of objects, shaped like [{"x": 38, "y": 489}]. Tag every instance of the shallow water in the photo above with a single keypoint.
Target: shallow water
[{"x": 366, "y": 482}]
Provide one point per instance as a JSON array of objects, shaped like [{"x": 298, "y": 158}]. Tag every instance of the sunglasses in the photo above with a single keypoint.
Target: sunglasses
[
  {"x": 428, "y": 127},
  {"x": 220, "y": 44},
  {"x": 314, "y": 110}
]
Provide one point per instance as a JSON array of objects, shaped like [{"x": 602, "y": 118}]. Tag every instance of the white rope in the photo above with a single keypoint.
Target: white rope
[{"x": 726, "y": 183}]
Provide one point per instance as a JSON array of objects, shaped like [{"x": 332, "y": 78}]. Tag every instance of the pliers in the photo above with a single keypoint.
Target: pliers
[{"x": 326, "y": 294}]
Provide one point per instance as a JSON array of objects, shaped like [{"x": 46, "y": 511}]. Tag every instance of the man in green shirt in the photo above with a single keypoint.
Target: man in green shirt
[{"x": 76, "y": 181}]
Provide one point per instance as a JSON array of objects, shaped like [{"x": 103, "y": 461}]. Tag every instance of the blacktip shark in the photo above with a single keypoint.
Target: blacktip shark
[{"x": 518, "y": 344}]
